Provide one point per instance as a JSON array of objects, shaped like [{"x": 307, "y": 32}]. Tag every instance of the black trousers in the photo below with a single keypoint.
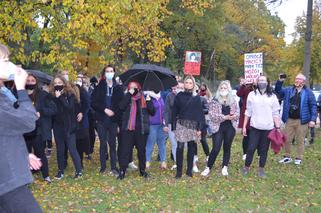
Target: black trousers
[
  {"x": 107, "y": 133},
  {"x": 48, "y": 144},
  {"x": 206, "y": 149},
  {"x": 19, "y": 200},
  {"x": 258, "y": 140},
  {"x": 225, "y": 136},
  {"x": 180, "y": 157},
  {"x": 64, "y": 140},
  {"x": 36, "y": 143},
  {"x": 129, "y": 139},
  {"x": 245, "y": 142},
  {"x": 82, "y": 144},
  {"x": 118, "y": 147},
  {"x": 92, "y": 133}
]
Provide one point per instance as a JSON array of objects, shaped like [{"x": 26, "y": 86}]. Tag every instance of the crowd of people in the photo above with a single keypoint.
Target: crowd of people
[{"x": 125, "y": 116}]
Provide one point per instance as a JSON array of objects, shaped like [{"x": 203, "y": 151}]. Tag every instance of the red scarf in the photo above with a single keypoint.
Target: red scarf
[{"x": 133, "y": 110}]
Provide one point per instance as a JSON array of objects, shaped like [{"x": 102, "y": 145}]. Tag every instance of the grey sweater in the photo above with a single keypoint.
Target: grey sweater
[{"x": 14, "y": 166}]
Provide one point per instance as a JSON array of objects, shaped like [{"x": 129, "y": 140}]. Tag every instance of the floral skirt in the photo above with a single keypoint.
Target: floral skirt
[{"x": 184, "y": 134}]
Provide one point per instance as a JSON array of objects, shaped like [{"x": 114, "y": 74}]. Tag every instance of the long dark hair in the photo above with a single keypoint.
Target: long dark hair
[
  {"x": 268, "y": 91},
  {"x": 36, "y": 90},
  {"x": 102, "y": 73}
]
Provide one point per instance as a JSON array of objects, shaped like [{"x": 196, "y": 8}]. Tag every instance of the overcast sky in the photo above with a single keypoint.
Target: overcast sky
[{"x": 288, "y": 12}]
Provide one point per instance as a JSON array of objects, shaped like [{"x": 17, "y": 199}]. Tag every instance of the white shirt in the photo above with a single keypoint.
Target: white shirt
[{"x": 262, "y": 109}]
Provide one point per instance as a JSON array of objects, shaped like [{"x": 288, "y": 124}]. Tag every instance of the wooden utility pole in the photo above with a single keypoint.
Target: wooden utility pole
[{"x": 308, "y": 41}]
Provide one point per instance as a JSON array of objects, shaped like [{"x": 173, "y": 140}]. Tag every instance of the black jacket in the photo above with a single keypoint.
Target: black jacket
[
  {"x": 142, "y": 119},
  {"x": 15, "y": 171},
  {"x": 188, "y": 107},
  {"x": 83, "y": 107},
  {"x": 98, "y": 102},
  {"x": 67, "y": 111}
]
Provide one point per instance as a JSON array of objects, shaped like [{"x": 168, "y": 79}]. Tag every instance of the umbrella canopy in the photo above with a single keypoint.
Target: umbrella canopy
[
  {"x": 42, "y": 77},
  {"x": 150, "y": 76}
]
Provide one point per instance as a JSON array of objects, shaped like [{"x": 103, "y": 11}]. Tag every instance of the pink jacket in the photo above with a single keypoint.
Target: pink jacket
[{"x": 216, "y": 117}]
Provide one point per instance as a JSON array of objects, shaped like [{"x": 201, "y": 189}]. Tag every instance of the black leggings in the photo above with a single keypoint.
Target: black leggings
[
  {"x": 180, "y": 157},
  {"x": 225, "y": 136},
  {"x": 82, "y": 144},
  {"x": 258, "y": 140},
  {"x": 206, "y": 149},
  {"x": 35, "y": 142}
]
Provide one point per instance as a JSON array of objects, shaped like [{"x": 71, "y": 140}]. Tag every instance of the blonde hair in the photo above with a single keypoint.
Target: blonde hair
[
  {"x": 4, "y": 52},
  {"x": 230, "y": 97}
]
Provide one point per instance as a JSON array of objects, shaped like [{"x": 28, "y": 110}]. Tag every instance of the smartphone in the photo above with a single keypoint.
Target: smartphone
[{"x": 283, "y": 76}]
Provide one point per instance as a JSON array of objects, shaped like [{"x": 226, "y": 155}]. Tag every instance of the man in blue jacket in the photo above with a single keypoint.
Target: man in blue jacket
[{"x": 299, "y": 113}]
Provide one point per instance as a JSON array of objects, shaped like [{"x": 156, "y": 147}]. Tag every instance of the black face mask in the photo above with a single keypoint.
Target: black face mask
[
  {"x": 30, "y": 86},
  {"x": 59, "y": 87}
]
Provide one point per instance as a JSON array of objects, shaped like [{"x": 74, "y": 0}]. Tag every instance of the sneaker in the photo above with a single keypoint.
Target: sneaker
[
  {"x": 132, "y": 166},
  {"x": 286, "y": 160},
  {"x": 163, "y": 165},
  {"x": 48, "y": 180},
  {"x": 206, "y": 172},
  {"x": 245, "y": 171},
  {"x": 297, "y": 161},
  {"x": 311, "y": 141},
  {"x": 174, "y": 167},
  {"x": 261, "y": 173},
  {"x": 195, "y": 158},
  {"x": 244, "y": 157},
  {"x": 195, "y": 169},
  {"x": 114, "y": 172},
  {"x": 144, "y": 174},
  {"x": 147, "y": 165},
  {"x": 78, "y": 175},
  {"x": 102, "y": 170},
  {"x": 224, "y": 171},
  {"x": 59, "y": 175}
]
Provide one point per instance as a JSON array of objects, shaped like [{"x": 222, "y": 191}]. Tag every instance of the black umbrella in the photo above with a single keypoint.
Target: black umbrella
[
  {"x": 42, "y": 77},
  {"x": 150, "y": 76}
]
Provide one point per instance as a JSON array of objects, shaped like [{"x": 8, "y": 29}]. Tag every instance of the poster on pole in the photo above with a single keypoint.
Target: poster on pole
[
  {"x": 253, "y": 66},
  {"x": 192, "y": 65}
]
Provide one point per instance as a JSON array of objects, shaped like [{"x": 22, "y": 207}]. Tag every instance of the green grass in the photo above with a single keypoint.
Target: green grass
[{"x": 288, "y": 188}]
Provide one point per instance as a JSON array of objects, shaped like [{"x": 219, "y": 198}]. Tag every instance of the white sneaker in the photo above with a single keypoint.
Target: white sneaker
[
  {"x": 224, "y": 171},
  {"x": 297, "y": 161},
  {"x": 244, "y": 157},
  {"x": 174, "y": 167},
  {"x": 286, "y": 160},
  {"x": 195, "y": 158},
  {"x": 132, "y": 166},
  {"x": 195, "y": 169},
  {"x": 206, "y": 172}
]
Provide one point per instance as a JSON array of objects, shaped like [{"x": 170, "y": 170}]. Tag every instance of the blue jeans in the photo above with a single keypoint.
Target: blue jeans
[{"x": 156, "y": 135}]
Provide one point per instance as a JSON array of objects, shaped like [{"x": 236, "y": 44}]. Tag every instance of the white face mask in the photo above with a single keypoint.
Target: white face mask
[
  {"x": 224, "y": 93},
  {"x": 7, "y": 70},
  {"x": 109, "y": 75},
  {"x": 179, "y": 90},
  {"x": 79, "y": 83},
  {"x": 155, "y": 95},
  {"x": 66, "y": 77}
]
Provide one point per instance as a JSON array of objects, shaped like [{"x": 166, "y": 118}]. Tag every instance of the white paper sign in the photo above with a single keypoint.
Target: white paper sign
[{"x": 253, "y": 65}]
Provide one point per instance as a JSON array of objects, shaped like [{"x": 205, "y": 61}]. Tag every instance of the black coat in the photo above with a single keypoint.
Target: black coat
[
  {"x": 98, "y": 102},
  {"x": 188, "y": 107},
  {"x": 67, "y": 111},
  {"x": 142, "y": 119},
  {"x": 83, "y": 107}
]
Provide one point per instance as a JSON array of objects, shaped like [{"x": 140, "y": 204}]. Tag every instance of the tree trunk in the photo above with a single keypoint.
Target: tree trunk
[{"x": 307, "y": 44}]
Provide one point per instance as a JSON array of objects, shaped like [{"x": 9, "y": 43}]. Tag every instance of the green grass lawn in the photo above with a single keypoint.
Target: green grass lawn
[{"x": 288, "y": 188}]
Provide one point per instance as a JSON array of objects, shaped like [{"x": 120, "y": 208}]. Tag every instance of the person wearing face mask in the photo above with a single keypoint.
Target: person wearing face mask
[
  {"x": 299, "y": 113},
  {"x": 134, "y": 127},
  {"x": 223, "y": 116},
  {"x": 187, "y": 121},
  {"x": 246, "y": 86},
  {"x": 82, "y": 135},
  {"x": 156, "y": 133},
  {"x": 45, "y": 108},
  {"x": 65, "y": 124},
  {"x": 169, "y": 103},
  {"x": 263, "y": 108},
  {"x": 105, "y": 102}
]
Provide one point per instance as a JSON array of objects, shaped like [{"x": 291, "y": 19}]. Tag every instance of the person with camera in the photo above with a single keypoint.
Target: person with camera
[
  {"x": 15, "y": 163},
  {"x": 299, "y": 113}
]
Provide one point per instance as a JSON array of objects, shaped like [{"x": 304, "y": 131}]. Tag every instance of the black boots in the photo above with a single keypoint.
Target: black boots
[
  {"x": 121, "y": 174},
  {"x": 144, "y": 174}
]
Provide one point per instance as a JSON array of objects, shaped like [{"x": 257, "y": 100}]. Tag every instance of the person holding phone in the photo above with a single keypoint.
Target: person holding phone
[
  {"x": 15, "y": 163},
  {"x": 223, "y": 116},
  {"x": 135, "y": 127}
]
